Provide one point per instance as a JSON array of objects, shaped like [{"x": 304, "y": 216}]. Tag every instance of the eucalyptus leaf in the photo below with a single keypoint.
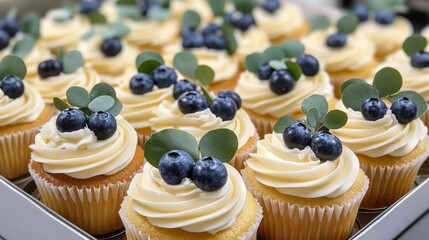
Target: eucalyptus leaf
[
  {"x": 335, "y": 119},
  {"x": 148, "y": 66},
  {"x": 101, "y": 103},
  {"x": 313, "y": 117},
  {"x": 283, "y": 123},
  {"x": 72, "y": 61},
  {"x": 277, "y": 64},
  {"x": 315, "y": 101},
  {"x": 293, "y": 49},
  {"x": 244, "y": 6},
  {"x": 63, "y": 15},
  {"x": 12, "y": 65},
  {"x": 415, "y": 98},
  {"x": 347, "y": 23},
  {"x": 319, "y": 22},
  {"x": 207, "y": 95},
  {"x": 115, "y": 29},
  {"x": 86, "y": 111},
  {"x": 126, "y": 2},
  {"x": 11, "y": 14},
  {"x": 220, "y": 143},
  {"x": 148, "y": 55},
  {"x": 88, "y": 35},
  {"x": 78, "y": 96},
  {"x": 228, "y": 34},
  {"x": 129, "y": 12},
  {"x": 158, "y": 13},
  {"x": 101, "y": 89},
  {"x": 387, "y": 81},
  {"x": 217, "y": 7},
  {"x": 60, "y": 104},
  {"x": 185, "y": 63},
  {"x": 294, "y": 69},
  {"x": 116, "y": 108},
  {"x": 24, "y": 46},
  {"x": 167, "y": 140},
  {"x": 204, "y": 74},
  {"x": 31, "y": 25},
  {"x": 190, "y": 19},
  {"x": 354, "y": 95},
  {"x": 392, "y": 5},
  {"x": 254, "y": 61},
  {"x": 59, "y": 53},
  {"x": 349, "y": 82},
  {"x": 97, "y": 18},
  {"x": 273, "y": 53},
  {"x": 413, "y": 44}
]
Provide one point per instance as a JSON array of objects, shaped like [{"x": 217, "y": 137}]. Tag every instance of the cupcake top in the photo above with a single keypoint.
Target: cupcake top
[
  {"x": 339, "y": 48},
  {"x": 85, "y": 142},
  {"x": 373, "y": 129},
  {"x": 263, "y": 94},
  {"x": 186, "y": 194},
  {"x": 302, "y": 158},
  {"x": 179, "y": 7},
  {"x": 19, "y": 102},
  {"x": 55, "y": 76}
]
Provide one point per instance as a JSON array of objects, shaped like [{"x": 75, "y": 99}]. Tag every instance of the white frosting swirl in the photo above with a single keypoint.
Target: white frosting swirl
[
  {"x": 379, "y": 138},
  {"x": 80, "y": 155},
  {"x": 299, "y": 173},
  {"x": 250, "y": 41},
  {"x": 257, "y": 96},
  {"x": 197, "y": 124},
  {"x": 24, "y": 109},
  {"x": 185, "y": 206},
  {"x": 152, "y": 32},
  {"x": 356, "y": 54}
]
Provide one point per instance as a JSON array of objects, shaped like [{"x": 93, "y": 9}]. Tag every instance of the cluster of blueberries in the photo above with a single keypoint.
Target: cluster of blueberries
[
  {"x": 12, "y": 86},
  {"x": 103, "y": 124},
  {"x": 8, "y": 29},
  {"x": 281, "y": 81},
  {"x": 208, "y": 173},
  {"x": 404, "y": 109}
]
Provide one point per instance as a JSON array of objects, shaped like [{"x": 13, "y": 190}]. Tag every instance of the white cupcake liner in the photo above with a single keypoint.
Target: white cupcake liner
[
  {"x": 94, "y": 209},
  {"x": 15, "y": 153},
  {"x": 133, "y": 233},
  {"x": 425, "y": 117},
  {"x": 283, "y": 220},
  {"x": 390, "y": 183},
  {"x": 238, "y": 160},
  {"x": 142, "y": 139},
  {"x": 263, "y": 126}
]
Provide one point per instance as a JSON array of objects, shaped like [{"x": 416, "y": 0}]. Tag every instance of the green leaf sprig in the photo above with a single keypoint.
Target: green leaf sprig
[
  {"x": 128, "y": 9},
  {"x": 209, "y": 146},
  {"x": 14, "y": 66},
  {"x": 414, "y": 43},
  {"x": 315, "y": 107},
  {"x": 66, "y": 13},
  {"x": 319, "y": 22},
  {"x": 102, "y": 97},
  {"x": 386, "y": 85},
  {"x": 392, "y": 5},
  {"x": 71, "y": 60},
  {"x": 31, "y": 29},
  {"x": 346, "y": 24}
]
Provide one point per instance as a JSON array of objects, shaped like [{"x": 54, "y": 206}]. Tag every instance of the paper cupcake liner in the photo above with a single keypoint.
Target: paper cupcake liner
[
  {"x": 238, "y": 160},
  {"x": 133, "y": 233},
  {"x": 142, "y": 139},
  {"x": 15, "y": 153},
  {"x": 390, "y": 183},
  {"x": 263, "y": 126},
  {"x": 425, "y": 117},
  {"x": 283, "y": 220},
  {"x": 94, "y": 209}
]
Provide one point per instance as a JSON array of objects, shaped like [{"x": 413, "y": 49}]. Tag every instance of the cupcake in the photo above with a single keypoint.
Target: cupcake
[
  {"x": 55, "y": 76},
  {"x": 273, "y": 86},
  {"x": 385, "y": 29},
  {"x": 106, "y": 52},
  {"x": 411, "y": 63},
  {"x": 164, "y": 202},
  {"x": 305, "y": 178},
  {"x": 22, "y": 112},
  {"x": 84, "y": 158},
  {"x": 281, "y": 20},
  {"x": 384, "y": 131},
  {"x": 344, "y": 53}
]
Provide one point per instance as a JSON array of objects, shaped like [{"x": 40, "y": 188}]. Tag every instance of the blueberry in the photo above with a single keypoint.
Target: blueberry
[
  {"x": 233, "y": 95},
  {"x": 404, "y": 110},
  {"x": 103, "y": 124},
  {"x": 88, "y": 6},
  {"x": 12, "y": 86},
  {"x": 270, "y": 5},
  {"x": 384, "y": 17},
  {"x": 4, "y": 39},
  {"x": 361, "y": 11},
  {"x": 309, "y": 64},
  {"x": 297, "y": 135},
  {"x": 326, "y": 146},
  {"x": 164, "y": 76},
  {"x": 10, "y": 26},
  {"x": 210, "y": 29},
  {"x": 181, "y": 87},
  {"x": 373, "y": 109},
  {"x": 70, "y": 120},
  {"x": 281, "y": 82},
  {"x": 214, "y": 41},
  {"x": 145, "y": 6},
  {"x": 224, "y": 107},
  {"x": 245, "y": 22},
  {"x": 191, "y": 102},
  {"x": 141, "y": 83},
  {"x": 191, "y": 38},
  {"x": 175, "y": 165},
  {"x": 265, "y": 71},
  {"x": 420, "y": 59},
  {"x": 49, "y": 68},
  {"x": 337, "y": 40},
  {"x": 111, "y": 47},
  {"x": 209, "y": 174}
]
